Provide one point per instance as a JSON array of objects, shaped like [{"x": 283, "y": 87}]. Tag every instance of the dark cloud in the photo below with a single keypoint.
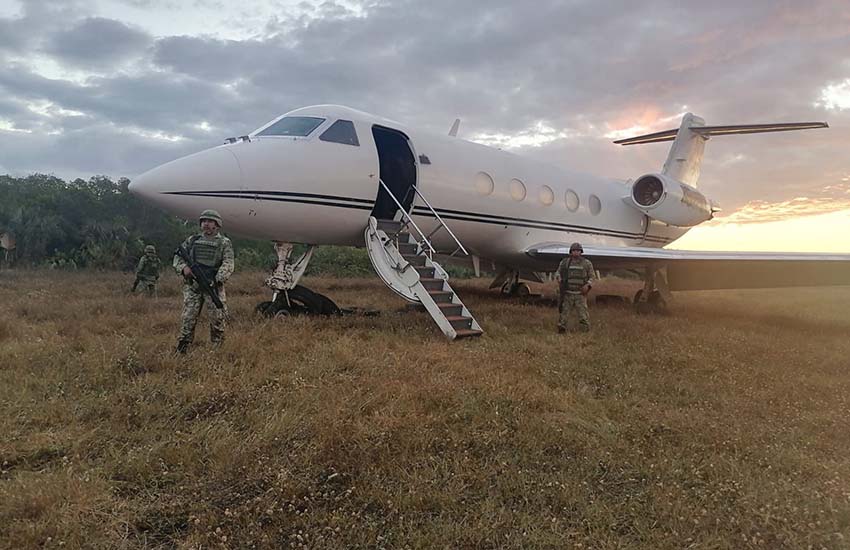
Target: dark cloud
[
  {"x": 38, "y": 18},
  {"x": 583, "y": 67},
  {"x": 96, "y": 42},
  {"x": 96, "y": 149}
]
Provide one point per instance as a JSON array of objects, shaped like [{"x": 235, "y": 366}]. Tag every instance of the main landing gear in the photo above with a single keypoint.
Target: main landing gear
[
  {"x": 288, "y": 297},
  {"x": 508, "y": 283},
  {"x": 655, "y": 296}
]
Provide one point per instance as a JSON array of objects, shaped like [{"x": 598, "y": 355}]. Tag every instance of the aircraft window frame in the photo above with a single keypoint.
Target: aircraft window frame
[
  {"x": 518, "y": 189},
  {"x": 349, "y": 132},
  {"x": 594, "y": 204},
  {"x": 546, "y": 195},
  {"x": 572, "y": 194},
  {"x": 484, "y": 184},
  {"x": 305, "y": 131}
]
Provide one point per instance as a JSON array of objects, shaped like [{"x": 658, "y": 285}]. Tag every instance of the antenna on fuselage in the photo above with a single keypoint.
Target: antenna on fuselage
[{"x": 455, "y": 126}]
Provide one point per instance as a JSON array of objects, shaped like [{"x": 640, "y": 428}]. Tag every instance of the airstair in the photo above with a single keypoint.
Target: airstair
[{"x": 403, "y": 257}]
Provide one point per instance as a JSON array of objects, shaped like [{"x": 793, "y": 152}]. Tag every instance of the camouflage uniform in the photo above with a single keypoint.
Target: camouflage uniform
[
  {"x": 147, "y": 271},
  {"x": 216, "y": 253},
  {"x": 574, "y": 273}
]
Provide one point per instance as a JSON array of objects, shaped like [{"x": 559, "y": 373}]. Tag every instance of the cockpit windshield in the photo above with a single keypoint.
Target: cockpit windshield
[{"x": 298, "y": 126}]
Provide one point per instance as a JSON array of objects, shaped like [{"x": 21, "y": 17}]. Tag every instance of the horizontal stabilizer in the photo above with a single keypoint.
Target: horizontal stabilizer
[{"x": 707, "y": 131}]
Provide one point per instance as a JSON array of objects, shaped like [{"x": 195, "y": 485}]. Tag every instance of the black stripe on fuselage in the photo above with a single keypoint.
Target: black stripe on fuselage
[
  {"x": 488, "y": 218},
  {"x": 366, "y": 204}
]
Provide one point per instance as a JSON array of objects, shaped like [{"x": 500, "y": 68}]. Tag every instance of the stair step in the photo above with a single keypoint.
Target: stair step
[
  {"x": 413, "y": 259},
  {"x": 459, "y": 322},
  {"x": 403, "y": 237},
  {"x": 407, "y": 248},
  {"x": 425, "y": 272},
  {"x": 431, "y": 283},
  {"x": 468, "y": 333},
  {"x": 389, "y": 226},
  {"x": 449, "y": 309},
  {"x": 441, "y": 296}
]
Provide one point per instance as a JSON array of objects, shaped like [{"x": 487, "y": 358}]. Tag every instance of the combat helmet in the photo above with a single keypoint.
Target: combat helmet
[
  {"x": 210, "y": 215},
  {"x": 149, "y": 249},
  {"x": 576, "y": 246}
]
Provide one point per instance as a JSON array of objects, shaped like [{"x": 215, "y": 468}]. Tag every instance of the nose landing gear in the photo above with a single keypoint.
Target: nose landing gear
[{"x": 290, "y": 298}]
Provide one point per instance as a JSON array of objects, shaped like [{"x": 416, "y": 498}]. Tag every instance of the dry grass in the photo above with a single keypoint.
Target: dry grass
[{"x": 724, "y": 425}]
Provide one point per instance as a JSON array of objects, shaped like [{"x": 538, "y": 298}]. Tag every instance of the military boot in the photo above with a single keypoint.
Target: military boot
[
  {"x": 182, "y": 346},
  {"x": 216, "y": 337}
]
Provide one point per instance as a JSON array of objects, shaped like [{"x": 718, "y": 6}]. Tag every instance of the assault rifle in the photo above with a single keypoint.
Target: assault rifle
[{"x": 204, "y": 283}]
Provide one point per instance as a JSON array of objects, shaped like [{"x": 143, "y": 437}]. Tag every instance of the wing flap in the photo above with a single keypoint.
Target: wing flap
[{"x": 704, "y": 270}]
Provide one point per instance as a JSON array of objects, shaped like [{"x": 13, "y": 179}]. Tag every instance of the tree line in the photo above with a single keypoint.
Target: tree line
[{"x": 98, "y": 224}]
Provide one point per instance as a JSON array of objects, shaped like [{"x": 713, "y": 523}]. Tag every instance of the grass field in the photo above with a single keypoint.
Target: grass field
[{"x": 723, "y": 425}]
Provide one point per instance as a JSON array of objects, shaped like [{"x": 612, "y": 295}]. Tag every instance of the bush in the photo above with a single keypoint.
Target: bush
[{"x": 340, "y": 261}]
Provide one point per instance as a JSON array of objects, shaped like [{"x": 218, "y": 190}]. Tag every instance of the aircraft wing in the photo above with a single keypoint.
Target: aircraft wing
[{"x": 698, "y": 270}]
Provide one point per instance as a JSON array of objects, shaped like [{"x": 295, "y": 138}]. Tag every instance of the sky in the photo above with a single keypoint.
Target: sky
[{"x": 116, "y": 87}]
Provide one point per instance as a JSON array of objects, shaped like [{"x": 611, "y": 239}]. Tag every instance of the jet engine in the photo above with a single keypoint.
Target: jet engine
[{"x": 669, "y": 201}]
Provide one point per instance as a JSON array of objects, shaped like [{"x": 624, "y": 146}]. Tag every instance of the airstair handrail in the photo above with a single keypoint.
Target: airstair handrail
[
  {"x": 408, "y": 216},
  {"x": 440, "y": 220}
]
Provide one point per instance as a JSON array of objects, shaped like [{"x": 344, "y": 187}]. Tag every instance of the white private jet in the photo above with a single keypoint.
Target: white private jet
[{"x": 331, "y": 175}]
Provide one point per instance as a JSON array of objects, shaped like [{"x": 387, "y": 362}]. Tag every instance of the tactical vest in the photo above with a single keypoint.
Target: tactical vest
[
  {"x": 208, "y": 253},
  {"x": 576, "y": 276},
  {"x": 150, "y": 267}
]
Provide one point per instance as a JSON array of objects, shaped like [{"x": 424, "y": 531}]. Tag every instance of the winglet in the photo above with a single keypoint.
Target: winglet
[{"x": 455, "y": 126}]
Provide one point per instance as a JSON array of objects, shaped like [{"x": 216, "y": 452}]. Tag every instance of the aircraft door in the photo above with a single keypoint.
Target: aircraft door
[{"x": 398, "y": 171}]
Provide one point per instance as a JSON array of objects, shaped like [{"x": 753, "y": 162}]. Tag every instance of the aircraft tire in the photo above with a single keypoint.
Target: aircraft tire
[
  {"x": 266, "y": 309},
  {"x": 518, "y": 290},
  {"x": 313, "y": 302},
  {"x": 637, "y": 297}
]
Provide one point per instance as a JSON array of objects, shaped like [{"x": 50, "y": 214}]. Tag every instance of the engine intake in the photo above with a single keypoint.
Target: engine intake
[{"x": 669, "y": 201}]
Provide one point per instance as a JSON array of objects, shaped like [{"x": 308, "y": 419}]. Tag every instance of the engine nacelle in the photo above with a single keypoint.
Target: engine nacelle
[{"x": 669, "y": 201}]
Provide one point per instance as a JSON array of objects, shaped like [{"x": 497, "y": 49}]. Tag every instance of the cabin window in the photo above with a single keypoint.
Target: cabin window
[
  {"x": 517, "y": 190},
  {"x": 547, "y": 196},
  {"x": 484, "y": 184},
  {"x": 341, "y": 131},
  {"x": 294, "y": 126},
  {"x": 594, "y": 204},
  {"x": 571, "y": 198}
]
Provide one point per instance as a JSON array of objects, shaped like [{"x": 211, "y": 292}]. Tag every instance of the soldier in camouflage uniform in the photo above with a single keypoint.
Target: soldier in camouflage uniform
[
  {"x": 214, "y": 253},
  {"x": 147, "y": 271},
  {"x": 575, "y": 275}
]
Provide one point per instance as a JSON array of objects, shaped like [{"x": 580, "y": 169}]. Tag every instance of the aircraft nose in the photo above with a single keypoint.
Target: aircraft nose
[{"x": 211, "y": 170}]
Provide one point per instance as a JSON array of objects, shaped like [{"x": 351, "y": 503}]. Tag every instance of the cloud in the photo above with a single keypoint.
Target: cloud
[
  {"x": 73, "y": 153},
  {"x": 832, "y": 198},
  {"x": 561, "y": 78},
  {"x": 97, "y": 43},
  {"x": 38, "y": 17}
]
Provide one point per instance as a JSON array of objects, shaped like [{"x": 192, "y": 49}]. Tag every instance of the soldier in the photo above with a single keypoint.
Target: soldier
[
  {"x": 575, "y": 274},
  {"x": 213, "y": 252},
  {"x": 147, "y": 272}
]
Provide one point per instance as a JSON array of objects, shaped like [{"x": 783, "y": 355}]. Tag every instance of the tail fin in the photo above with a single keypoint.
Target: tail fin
[{"x": 683, "y": 161}]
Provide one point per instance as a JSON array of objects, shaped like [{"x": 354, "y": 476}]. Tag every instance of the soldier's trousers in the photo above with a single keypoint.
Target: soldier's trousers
[
  {"x": 574, "y": 302},
  {"x": 193, "y": 303},
  {"x": 146, "y": 286}
]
